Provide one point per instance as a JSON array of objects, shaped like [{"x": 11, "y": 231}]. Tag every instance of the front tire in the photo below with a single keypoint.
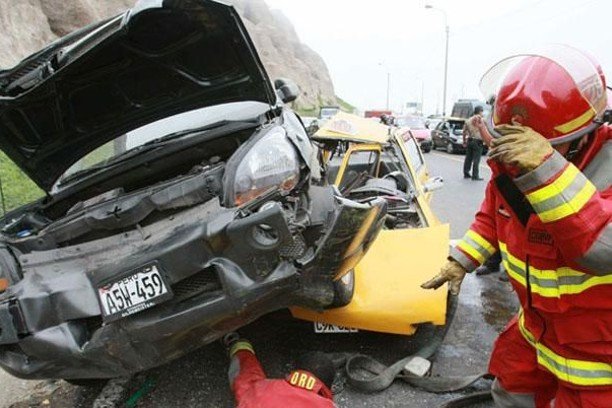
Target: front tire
[{"x": 450, "y": 149}]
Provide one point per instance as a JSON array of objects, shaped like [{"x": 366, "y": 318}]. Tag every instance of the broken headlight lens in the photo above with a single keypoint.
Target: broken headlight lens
[{"x": 267, "y": 161}]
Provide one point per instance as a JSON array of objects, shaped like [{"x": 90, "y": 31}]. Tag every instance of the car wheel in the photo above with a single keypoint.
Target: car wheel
[
  {"x": 344, "y": 289},
  {"x": 450, "y": 148}
]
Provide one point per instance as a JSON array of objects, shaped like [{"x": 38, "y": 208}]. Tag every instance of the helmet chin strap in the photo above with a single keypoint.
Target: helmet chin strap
[{"x": 573, "y": 149}]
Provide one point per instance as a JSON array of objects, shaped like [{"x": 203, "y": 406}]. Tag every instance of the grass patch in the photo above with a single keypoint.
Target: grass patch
[
  {"x": 314, "y": 111},
  {"x": 17, "y": 188},
  {"x": 345, "y": 106}
]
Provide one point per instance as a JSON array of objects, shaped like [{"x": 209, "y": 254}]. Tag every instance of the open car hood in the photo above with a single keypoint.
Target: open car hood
[{"x": 161, "y": 58}]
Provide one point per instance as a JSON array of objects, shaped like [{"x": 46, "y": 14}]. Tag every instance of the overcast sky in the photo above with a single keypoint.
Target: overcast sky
[{"x": 356, "y": 36}]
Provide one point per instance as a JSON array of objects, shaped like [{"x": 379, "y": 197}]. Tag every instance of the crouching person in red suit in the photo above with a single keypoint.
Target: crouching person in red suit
[{"x": 308, "y": 386}]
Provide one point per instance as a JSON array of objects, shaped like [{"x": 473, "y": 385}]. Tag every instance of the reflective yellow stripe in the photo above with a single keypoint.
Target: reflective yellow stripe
[
  {"x": 551, "y": 283},
  {"x": 519, "y": 278},
  {"x": 476, "y": 246},
  {"x": 241, "y": 346},
  {"x": 471, "y": 251},
  {"x": 571, "y": 207},
  {"x": 556, "y": 187},
  {"x": 579, "y": 372},
  {"x": 481, "y": 241},
  {"x": 576, "y": 123}
]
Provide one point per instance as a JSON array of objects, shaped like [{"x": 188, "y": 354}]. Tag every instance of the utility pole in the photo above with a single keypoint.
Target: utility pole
[
  {"x": 447, "y": 29},
  {"x": 382, "y": 64},
  {"x": 445, "y": 68},
  {"x": 388, "y": 87},
  {"x": 422, "y": 95}
]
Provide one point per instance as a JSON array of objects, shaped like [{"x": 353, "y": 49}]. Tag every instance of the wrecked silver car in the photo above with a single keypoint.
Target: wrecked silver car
[{"x": 183, "y": 198}]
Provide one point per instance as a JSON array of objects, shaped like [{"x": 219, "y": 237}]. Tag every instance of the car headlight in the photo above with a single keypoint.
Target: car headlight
[{"x": 266, "y": 161}]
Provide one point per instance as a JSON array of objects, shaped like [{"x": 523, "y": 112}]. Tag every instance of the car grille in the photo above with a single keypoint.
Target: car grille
[
  {"x": 204, "y": 281},
  {"x": 294, "y": 249}
]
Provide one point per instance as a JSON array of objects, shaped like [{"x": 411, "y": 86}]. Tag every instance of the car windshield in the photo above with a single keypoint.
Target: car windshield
[
  {"x": 456, "y": 125},
  {"x": 236, "y": 111},
  {"x": 411, "y": 122}
]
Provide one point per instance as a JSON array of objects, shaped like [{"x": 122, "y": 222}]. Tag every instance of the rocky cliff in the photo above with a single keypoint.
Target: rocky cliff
[{"x": 28, "y": 25}]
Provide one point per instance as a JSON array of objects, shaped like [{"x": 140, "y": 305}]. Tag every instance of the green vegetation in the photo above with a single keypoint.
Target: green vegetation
[
  {"x": 314, "y": 110},
  {"x": 17, "y": 188},
  {"x": 345, "y": 106}
]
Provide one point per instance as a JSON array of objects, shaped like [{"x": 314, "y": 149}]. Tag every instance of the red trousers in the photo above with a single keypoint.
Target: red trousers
[{"x": 514, "y": 363}]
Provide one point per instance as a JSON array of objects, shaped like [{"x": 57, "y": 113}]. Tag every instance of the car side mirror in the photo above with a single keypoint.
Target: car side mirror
[
  {"x": 433, "y": 184},
  {"x": 286, "y": 89}
]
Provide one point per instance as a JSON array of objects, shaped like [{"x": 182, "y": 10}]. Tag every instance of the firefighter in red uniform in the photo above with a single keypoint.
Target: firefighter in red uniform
[
  {"x": 547, "y": 209},
  {"x": 309, "y": 386}
]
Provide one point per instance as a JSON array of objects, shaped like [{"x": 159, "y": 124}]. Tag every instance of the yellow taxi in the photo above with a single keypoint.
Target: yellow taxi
[{"x": 366, "y": 160}]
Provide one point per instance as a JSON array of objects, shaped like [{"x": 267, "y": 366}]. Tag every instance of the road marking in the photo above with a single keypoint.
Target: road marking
[{"x": 446, "y": 156}]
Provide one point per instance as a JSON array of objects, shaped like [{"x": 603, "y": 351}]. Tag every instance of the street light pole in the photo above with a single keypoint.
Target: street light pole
[
  {"x": 388, "y": 87},
  {"x": 445, "y": 71},
  {"x": 447, "y": 28},
  {"x": 422, "y": 95},
  {"x": 382, "y": 64}
]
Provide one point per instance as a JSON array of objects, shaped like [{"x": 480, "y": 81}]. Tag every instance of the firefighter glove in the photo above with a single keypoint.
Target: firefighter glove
[
  {"x": 451, "y": 272},
  {"x": 520, "y": 146},
  {"x": 240, "y": 345}
]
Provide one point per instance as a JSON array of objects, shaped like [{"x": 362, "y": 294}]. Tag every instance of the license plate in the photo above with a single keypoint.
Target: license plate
[
  {"x": 332, "y": 328},
  {"x": 140, "y": 290}
]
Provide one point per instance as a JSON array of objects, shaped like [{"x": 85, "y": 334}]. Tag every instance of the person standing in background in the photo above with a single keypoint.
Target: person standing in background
[{"x": 473, "y": 140}]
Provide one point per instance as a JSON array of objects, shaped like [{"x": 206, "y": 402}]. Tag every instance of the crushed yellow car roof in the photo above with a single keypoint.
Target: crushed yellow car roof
[{"x": 344, "y": 126}]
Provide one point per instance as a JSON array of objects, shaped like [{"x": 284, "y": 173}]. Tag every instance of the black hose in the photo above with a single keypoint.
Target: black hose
[
  {"x": 382, "y": 376},
  {"x": 468, "y": 400}
]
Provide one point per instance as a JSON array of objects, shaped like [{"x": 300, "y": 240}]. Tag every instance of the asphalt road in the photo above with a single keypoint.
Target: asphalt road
[{"x": 199, "y": 379}]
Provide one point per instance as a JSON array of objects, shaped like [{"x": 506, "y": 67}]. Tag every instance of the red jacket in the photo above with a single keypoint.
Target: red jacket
[
  {"x": 552, "y": 226},
  {"x": 253, "y": 390}
]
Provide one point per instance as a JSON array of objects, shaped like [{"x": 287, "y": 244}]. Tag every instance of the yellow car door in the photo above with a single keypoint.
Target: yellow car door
[
  {"x": 416, "y": 161},
  {"x": 387, "y": 295}
]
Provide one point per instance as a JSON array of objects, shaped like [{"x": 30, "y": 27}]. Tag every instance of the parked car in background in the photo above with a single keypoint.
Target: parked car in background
[
  {"x": 416, "y": 126},
  {"x": 184, "y": 198},
  {"x": 448, "y": 134},
  {"x": 326, "y": 112}
]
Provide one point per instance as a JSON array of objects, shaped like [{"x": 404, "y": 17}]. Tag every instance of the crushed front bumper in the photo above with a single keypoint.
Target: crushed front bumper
[{"x": 222, "y": 277}]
